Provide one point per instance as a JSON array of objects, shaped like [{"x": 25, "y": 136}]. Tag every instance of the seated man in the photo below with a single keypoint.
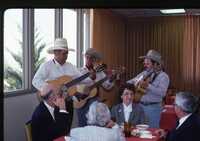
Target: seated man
[
  {"x": 127, "y": 111},
  {"x": 50, "y": 119},
  {"x": 188, "y": 125},
  {"x": 97, "y": 118}
]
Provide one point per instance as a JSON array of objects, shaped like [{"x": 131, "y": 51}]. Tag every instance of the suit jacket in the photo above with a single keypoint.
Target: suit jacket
[
  {"x": 189, "y": 130},
  {"x": 136, "y": 116},
  {"x": 45, "y": 128}
]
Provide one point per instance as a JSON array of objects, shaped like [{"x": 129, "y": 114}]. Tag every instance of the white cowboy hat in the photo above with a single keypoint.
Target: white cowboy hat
[
  {"x": 59, "y": 44},
  {"x": 93, "y": 53},
  {"x": 154, "y": 55}
]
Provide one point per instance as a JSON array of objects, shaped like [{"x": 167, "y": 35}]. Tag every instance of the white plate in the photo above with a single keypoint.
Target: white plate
[{"x": 142, "y": 126}]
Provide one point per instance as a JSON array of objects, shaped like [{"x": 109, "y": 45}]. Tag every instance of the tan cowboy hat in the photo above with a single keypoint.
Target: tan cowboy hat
[
  {"x": 59, "y": 44},
  {"x": 154, "y": 55},
  {"x": 93, "y": 53}
]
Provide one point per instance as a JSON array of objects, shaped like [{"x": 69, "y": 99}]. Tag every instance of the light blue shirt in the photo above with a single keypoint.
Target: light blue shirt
[
  {"x": 95, "y": 133},
  {"x": 155, "y": 90}
]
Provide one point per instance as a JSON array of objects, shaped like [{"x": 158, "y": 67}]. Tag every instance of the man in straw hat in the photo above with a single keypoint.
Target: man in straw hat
[
  {"x": 50, "y": 118},
  {"x": 57, "y": 67},
  {"x": 93, "y": 58},
  {"x": 155, "y": 88}
]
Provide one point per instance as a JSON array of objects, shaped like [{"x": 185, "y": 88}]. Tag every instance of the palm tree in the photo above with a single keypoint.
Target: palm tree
[{"x": 13, "y": 76}]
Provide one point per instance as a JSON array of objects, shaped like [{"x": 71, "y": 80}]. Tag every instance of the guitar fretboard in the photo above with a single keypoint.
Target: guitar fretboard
[
  {"x": 98, "y": 82},
  {"x": 76, "y": 80}
]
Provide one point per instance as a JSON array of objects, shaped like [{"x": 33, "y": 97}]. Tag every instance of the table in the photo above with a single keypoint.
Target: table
[
  {"x": 168, "y": 117},
  {"x": 62, "y": 138}
]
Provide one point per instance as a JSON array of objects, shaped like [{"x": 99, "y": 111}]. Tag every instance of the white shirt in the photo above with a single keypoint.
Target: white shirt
[
  {"x": 95, "y": 133},
  {"x": 182, "y": 120},
  {"x": 51, "y": 109},
  {"x": 99, "y": 75},
  {"x": 51, "y": 70},
  {"x": 127, "y": 111}
]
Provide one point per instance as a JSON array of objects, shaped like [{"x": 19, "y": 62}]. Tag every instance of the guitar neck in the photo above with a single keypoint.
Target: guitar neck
[
  {"x": 76, "y": 80},
  {"x": 98, "y": 82}
]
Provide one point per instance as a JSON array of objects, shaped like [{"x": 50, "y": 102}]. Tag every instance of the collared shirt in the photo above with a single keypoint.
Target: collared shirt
[
  {"x": 127, "y": 110},
  {"x": 51, "y": 70},
  {"x": 182, "y": 120},
  {"x": 51, "y": 110},
  {"x": 155, "y": 90},
  {"x": 99, "y": 75}
]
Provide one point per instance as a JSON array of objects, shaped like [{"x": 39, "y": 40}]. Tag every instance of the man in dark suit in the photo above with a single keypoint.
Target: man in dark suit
[
  {"x": 188, "y": 125},
  {"x": 50, "y": 119},
  {"x": 127, "y": 111}
]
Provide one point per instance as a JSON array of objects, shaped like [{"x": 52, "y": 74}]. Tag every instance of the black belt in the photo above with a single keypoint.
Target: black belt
[{"x": 149, "y": 103}]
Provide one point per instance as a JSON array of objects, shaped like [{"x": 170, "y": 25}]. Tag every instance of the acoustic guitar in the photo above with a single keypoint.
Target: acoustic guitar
[
  {"x": 67, "y": 84},
  {"x": 139, "y": 90},
  {"x": 91, "y": 91}
]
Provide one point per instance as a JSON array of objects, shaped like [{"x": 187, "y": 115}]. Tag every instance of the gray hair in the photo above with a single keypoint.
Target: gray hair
[
  {"x": 98, "y": 114},
  {"x": 186, "y": 101}
]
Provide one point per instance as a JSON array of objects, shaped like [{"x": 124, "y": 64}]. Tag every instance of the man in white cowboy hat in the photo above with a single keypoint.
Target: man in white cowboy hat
[
  {"x": 58, "y": 67},
  {"x": 155, "y": 88},
  {"x": 92, "y": 57}
]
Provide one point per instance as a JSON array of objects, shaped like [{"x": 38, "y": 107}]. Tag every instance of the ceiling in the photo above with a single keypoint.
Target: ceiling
[{"x": 132, "y": 13}]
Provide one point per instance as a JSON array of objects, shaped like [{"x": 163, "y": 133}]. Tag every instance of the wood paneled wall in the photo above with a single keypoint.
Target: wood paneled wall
[
  {"x": 178, "y": 41},
  {"x": 176, "y": 38},
  {"x": 109, "y": 37}
]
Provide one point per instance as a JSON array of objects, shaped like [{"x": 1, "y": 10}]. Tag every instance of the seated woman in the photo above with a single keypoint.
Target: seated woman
[
  {"x": 127, "y": 110},
  {"x": 98, "y": 117}
]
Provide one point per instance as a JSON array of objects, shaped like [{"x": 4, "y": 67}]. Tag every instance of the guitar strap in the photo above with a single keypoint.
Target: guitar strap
[{"x": 154, "y": 77}]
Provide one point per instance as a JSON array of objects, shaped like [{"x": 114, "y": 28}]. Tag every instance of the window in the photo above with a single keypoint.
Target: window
[
  {"x": 43, "y": 35},
  {"x": 70, "y": 32},
  {"x": 28, "y": 30},
  {"x": 13, "y": 53},
  {"x": 86, "y": 32}
]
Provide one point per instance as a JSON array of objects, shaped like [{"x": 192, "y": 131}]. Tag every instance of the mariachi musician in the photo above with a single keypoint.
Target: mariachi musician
[
  {"x": 92, "y": 59},
  {"x": 154, "y": 83},
  {"x": 58, "y": 67}
]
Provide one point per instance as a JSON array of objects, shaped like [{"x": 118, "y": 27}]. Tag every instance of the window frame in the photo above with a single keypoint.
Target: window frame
[{"x": 28, "y": 45}]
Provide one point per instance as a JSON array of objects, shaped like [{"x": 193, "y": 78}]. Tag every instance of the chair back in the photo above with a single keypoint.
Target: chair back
[{"x": 28, "y": 130}]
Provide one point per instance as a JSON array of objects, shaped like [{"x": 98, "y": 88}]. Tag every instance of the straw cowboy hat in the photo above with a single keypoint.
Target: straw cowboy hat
[
  {"x": 154, "y": 55},
  {"x": 93, "y": 53},
  {"x": 59, "y": 44}
]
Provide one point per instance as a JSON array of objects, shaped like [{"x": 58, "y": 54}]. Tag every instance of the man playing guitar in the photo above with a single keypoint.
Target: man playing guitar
[
  {"x": 92, "y": 59},
  {"x": 154, "y": 82},
  {"x": 58, "y": 67}
]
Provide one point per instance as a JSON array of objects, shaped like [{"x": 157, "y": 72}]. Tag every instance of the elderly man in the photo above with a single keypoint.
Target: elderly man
[
  {"x": 50, "y": 119},
  {"x": 92, "y": 59},
  {"x": 127, "y": 111},
  {"x": 154, "y": 82},
  {"x": 188, "y": 125},
  {"x": 97, "y": 118}
]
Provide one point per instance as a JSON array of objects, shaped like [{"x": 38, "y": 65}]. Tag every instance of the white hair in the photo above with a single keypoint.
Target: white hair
[
  {"x": 186, "y": 101},
  {"x": 98, "y": 114}
]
